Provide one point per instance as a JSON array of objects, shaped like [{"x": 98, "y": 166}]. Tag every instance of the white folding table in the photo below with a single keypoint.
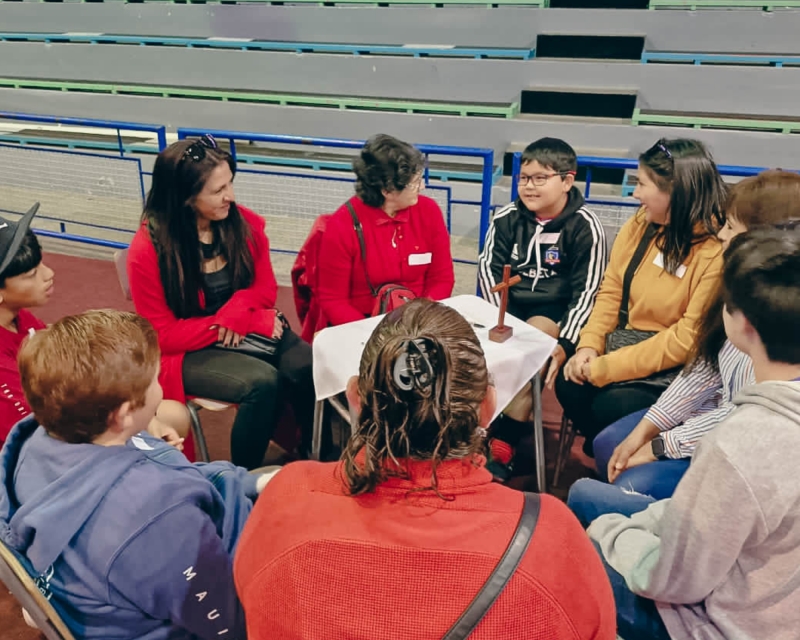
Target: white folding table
[{"x": 512, "y": 364}]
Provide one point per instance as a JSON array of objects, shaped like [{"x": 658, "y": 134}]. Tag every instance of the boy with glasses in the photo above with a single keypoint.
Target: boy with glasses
[{"x": 558, "y": 247}]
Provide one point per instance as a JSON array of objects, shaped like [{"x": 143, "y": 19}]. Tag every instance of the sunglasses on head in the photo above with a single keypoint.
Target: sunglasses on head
[
  {"x": 662, "y": 147},
  {"x": 197, "y": 150}
]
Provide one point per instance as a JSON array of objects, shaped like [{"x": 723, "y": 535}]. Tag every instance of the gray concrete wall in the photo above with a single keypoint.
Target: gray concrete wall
[
  {"x": 743, "y": 31},
  {"x": 707, "y": 88},
  {"x": 729, "y": 147}
]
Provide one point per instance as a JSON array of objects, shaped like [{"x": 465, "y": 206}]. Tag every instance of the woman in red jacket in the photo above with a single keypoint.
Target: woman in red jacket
[
  {"x": 200, "y": 272},
  {"x": 405, "y": 237},
  {"x": 395, "y": 540}
]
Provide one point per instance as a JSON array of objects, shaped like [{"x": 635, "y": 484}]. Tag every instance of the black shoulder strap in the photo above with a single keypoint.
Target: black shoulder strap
[
  {"x": 360, "y": 234},
  {"x": 633, "y": 265},
  {"x": 502, "y": 573}
]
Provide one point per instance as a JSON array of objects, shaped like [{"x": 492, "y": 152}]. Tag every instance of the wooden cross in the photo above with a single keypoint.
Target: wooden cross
[{"x": 501, "y": 332}]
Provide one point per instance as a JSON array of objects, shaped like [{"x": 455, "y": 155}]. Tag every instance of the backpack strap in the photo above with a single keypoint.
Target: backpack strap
[
  {"x": 360, "y": 234},
  {"x": 502, "y": 573}
]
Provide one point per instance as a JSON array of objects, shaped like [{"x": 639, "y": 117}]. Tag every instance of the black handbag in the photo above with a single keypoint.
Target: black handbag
[
  {"x": 502, "y": 573},
  {"x": 622, "y": 337},
  {"x": 258, "y": 346}
]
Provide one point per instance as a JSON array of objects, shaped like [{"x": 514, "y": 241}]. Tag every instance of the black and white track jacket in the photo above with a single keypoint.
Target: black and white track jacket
[{"x": 561, "y": 262}]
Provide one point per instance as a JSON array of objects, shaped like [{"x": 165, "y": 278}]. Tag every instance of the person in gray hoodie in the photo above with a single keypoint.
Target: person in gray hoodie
[
  {"x": 720, "y": 560},
  {"x": 125, "y": 537}
]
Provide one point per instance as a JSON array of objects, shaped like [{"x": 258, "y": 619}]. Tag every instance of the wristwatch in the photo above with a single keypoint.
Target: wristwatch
[{"x": 659, "y": 448}]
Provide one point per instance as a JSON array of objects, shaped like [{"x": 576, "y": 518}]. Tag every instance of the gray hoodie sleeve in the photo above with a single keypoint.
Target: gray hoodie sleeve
[{"x": 679, "y": 550}]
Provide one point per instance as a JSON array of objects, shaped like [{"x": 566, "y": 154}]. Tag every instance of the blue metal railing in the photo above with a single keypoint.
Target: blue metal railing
[
  {"x": 485, "y": 155},
  {"x": 116, "y": 125},
  {"x": 159, "y": 132}
]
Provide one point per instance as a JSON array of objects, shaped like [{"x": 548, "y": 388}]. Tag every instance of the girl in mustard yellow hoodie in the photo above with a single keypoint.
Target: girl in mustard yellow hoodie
[{"x": 678, "y": 270}]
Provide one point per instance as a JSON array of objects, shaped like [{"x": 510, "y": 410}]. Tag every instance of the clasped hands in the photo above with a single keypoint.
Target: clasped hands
[
  {"x": 635, "y": 450},
  {"x": 579, "y": 367},
  {"x": 228, "y": 337}
]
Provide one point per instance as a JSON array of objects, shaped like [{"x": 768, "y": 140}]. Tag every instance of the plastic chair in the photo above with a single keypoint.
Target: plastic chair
[
  {"x": 194, "y": 404},
  {"x": 14, "y": 575}
]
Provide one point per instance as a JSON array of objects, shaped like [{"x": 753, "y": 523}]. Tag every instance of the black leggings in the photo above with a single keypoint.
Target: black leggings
[
  {"x": 260, "y": 389},
  {"x": 592, "y": 409}
]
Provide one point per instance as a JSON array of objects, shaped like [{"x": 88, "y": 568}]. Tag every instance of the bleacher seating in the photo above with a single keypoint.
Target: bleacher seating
[
  {"x": 477, "y": 83},
  {"x": 249, "y": 44},
  {"x": 771, "y": 60},
  {"x": 332, "y": 102},
  {"x": 479, "y": 73},
  {"x": 766, "y": 5},
  {"x": 721, "y": 121}
]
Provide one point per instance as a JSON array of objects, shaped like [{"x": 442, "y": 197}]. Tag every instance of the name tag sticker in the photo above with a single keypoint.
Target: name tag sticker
[
  {"x": 415, "y": 259},
  {"x": 659, "y": 262},
  {"x": 549, "y": 238}
]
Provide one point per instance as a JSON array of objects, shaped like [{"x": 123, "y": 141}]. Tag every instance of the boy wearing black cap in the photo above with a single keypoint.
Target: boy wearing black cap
[{"x": 26, "y": 281}]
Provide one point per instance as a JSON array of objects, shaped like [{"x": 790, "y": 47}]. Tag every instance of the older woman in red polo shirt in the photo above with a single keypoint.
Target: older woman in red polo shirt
[{"x": 405, "y": 237}]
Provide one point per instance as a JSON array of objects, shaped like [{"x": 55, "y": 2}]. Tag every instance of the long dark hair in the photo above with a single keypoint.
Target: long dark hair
[
  {"x": 770, "y": 199},
  {"x": 686, "y": 170},
  {"x": 179, "y": 174},
  {"x": 421, "y": 382}
]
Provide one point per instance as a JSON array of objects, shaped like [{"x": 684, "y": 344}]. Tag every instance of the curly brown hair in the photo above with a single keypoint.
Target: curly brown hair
[
  {"x": 385, "y": 163},
  {"x": 421, "y": 382}
]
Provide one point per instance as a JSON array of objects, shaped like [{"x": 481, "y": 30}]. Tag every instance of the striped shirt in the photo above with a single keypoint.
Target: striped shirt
[{"x": 697, "y": 402}]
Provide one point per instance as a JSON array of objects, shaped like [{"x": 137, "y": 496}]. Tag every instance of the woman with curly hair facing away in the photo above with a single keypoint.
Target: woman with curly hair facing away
[{"x": 397, "y": 538}]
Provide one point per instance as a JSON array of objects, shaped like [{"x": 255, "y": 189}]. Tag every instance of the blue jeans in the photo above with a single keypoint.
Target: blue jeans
[
  {"x": 637, "y": 617},
  {"x": 657, "y": 479},
  {"x": 590, "y": 499}
]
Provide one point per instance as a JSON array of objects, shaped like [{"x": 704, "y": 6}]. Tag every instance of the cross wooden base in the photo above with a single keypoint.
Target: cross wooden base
[{"x": 500, "y": 334}]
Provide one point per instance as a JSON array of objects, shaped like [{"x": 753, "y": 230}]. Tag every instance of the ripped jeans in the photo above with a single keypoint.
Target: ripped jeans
[
  {"x": 657, "y": 479},
  {"x": 590, "y": 499}
]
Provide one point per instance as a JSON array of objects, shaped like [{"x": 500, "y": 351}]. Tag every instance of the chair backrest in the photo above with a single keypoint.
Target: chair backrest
[
  {"x": 14, "y": 575},
  {"x": 121, "y": 262}
]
